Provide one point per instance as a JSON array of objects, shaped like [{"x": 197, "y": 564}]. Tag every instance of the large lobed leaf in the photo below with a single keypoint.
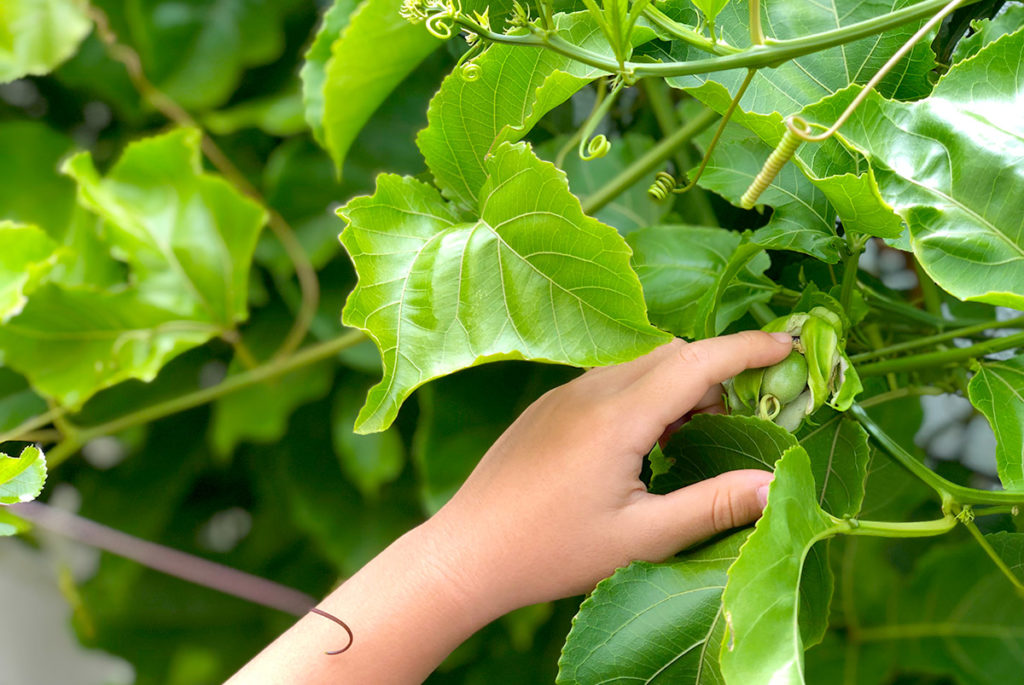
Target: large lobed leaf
[
  {"x": 531, "y": 277},
  {"x": 516, "y": 86},
  {"x": 37, "y": 35},
  {"x": 952, "y": 166},
  {"x": 997, "y": 391},
  {"x": 653, "y": 623},
  {"x": 186, "y": 238}
]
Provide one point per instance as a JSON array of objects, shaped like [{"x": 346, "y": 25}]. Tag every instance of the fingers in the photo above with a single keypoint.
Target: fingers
[
  {"x": 678, "y": 382},
  {"x": 699, "y": 511}
]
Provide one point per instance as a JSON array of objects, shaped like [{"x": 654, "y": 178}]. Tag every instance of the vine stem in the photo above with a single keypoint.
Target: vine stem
[
  {"x": 755, "y": 57},
  {"x": 271, "y": 369},
  {"x": 686, "y": 34},
  {"x": 900, "y": 393},
  {"x": 173, "y": 562},
  {"x": 949, "y": 491},
  {"x": 756, "y": 32},
  {"x": 994, "y": 556},
  {"x": 304, "y": 271},
  {"x": 648, "y": 162},
  {"x": 33, "y": 424},
  {"x": 896, "y": 529},
  {"x": 854, "y": 246},
  {"x": 942, "y": 357},
  {"x": 964, "y": 332}
]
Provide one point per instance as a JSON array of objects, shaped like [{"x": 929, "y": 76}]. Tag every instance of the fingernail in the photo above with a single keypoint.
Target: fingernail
[
  {"x": 762, "y": 496},
  {"x": 783, "y": 338}
]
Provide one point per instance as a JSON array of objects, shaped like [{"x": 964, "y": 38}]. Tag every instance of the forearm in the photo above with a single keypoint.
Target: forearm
[{"x": 407, "y": 609}]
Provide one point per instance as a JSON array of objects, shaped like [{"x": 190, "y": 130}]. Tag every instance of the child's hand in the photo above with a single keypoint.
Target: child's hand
[
  {"x": 557, "y": 504},
  {"x": 554, "y": 506}
]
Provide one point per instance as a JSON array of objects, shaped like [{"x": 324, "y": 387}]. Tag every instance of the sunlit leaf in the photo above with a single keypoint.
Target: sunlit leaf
[
  {"x": 427, "y": 277},
  {"x": 37, "y": 35},
  {"x": 653, "y": 623},
  {"x": 22, "y": 478},
  {"x": 314, "y": 69},
  {"x": 997, "y": 391},
  {"x": 763, "y": 643},
  {"x": 28, "y": 254}
]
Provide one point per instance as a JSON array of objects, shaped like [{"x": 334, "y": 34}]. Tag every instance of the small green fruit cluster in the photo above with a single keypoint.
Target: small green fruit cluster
[{"x": 816, "y": 372}]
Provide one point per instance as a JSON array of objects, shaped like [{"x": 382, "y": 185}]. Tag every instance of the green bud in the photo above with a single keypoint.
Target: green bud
[{"x": 787, "y": 379}]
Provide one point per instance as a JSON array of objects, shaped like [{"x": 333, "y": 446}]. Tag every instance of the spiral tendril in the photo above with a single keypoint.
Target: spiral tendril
[
  {"x": 782, "y": 153},
  {"x": 769, "y": 407},
  {"x": 598, "y": 147},
  {"x": 437, "y": 26},
  {"x": 470, "y": 71},
  {"x": 664, "y": 184}
]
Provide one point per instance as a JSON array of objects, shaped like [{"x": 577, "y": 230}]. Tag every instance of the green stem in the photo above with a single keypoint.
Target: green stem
[
  {"x": 996, "y": 559},
  {"x": 854, "y": 248},
  {"x": 755, "y": 57},
  {"x": 762, "y": 313},
  {"x": 932, "y": 298},
  {"x": 647, "y": 163},
  {"x": 900, "y": 393},
  {"x": 894, "y": 529},
  {"x": 33, "y": 424},
  {"x": 941, "y": 358},
  {"x": 664, "y": 112},
  {"x": 916, "y": 343},
  {"x": 687, "y": 34},
  {"x": 1011, "y": 509},
  {"x": 903, "y": 310},
  {"x": 271, "y": 369},
  {"x": 756, "y": 32},
  {"x": 949, "y": 491}
]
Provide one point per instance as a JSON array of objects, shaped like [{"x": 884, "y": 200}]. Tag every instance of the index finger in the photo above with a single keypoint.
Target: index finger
[{"x": 678, "y": 381}]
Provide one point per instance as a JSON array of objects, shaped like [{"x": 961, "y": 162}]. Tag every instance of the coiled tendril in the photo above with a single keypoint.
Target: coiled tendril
[
  {"x": 782, "y": 153},
  {"x": 599, "y": 145},
  {"x": 470, "y": 71},
  {"x": 664, "y": 184}
]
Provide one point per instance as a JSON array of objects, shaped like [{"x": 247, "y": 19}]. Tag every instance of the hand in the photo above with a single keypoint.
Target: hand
[
  {"x": 553, "y": 507},
  {"x": 557, "y": 503}
]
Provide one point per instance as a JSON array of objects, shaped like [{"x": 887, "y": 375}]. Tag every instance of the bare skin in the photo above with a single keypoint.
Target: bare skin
[{"x": 554, "y": 506}]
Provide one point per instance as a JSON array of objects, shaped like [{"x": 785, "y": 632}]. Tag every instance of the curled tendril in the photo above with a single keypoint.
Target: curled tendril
[
  {"x": 437, "y": 26},
  {"x": 769, "y": 407},
  {"x": 470, "y": 71},
  {"x": 782, "y": 153},
  {"x": 598, "y": 147},
  {"x": 664, "y": 184}
]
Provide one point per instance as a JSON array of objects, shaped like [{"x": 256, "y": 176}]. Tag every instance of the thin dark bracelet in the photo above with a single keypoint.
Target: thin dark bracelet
[{"x": 351, "y": 637}]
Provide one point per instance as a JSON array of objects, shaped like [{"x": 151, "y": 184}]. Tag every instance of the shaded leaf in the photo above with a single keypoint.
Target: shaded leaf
[
  {"x": 1010, "y": 548},
  {"x": 17, "y": 401},
  {"x": 678, "y": 265},
  {"x": 1008, "y": 19},
  {"x": 653, "y": 623},
  {"x": 997, "y": 391},
  {"x": 427, "y": 279},
  {"x": 839, "y": 453},
  {"x": 763, "y": 643},
  {"x": 279, "y": 114},
  {"x": 369, "y": 461},
  {"x": 32, "y": 153},
  {"x": 314, "y": 69},
  {"x": 22, "y": 478},
  {"x": 37, "y": 35}
]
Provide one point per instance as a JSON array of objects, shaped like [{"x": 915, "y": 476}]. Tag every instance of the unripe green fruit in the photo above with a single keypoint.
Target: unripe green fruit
[{"x": 787, "y": 379}]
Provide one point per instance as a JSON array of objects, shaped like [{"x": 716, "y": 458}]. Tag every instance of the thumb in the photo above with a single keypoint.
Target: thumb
[{"x": 710, "y": 507}]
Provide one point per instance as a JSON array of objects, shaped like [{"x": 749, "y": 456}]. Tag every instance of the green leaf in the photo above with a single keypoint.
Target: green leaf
[
  {"x": 11, "y": 524},
  {"x": 22, "y": 478},
  {"x": 37, "y": 35},
  {"x": 314, "y": 69},
  {"x": 72, "y": 342},
  {"x": 17, "y": 401},
  {"x": 839, "y": 452},
  {"x": 428, "y": 280},
  {"x": 803, "y": 220},
  {"x": 369, "y": 461},
  {"x": 710, "y": 320},
  {"x": 653, "y": 623},
  {"x": 1010, "y": 548},
  {"x": 711, "y": 8},
  {"x": 516, "y": 87},
  {"x": 32, "y": 152},
  {"x": 677, "y": 265},
  {"x": 1008, "y": 19},
  {"x": 935, "y": 163},
  {"x": 997, "y": 391},
  {"x": 27, "y": 256},
  {"x": 959, "y": 617},
  {"x": 279, "y": 114},
  {"x": 273, "y": 401},
  {"x": 189, "y": 248},
  {"x": 377, "y": 50},
  {"x": 629, "y": 211},
  {"x": 195, "y": 51},
  {"x": 763, "y": 643}
]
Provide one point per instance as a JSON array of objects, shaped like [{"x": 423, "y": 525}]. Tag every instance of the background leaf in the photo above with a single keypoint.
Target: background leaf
[
  {"x": 37, "y": 35},
  {"x": 22, "y": 478},
  {"x": 997, "y": 391}
]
